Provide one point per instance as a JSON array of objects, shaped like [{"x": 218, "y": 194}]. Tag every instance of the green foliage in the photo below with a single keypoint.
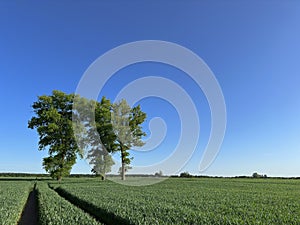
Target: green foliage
[
  {"x": 118, "y": 126},
  {"x": 256, "y": 175},
  {"x": 101, "y": 161},
  {"x": 193, "y": 201},
  {"x": 127, "y": 168},
  {"x": 13, "y": 196},
  {"x": 127, "y": 127},
  {"x": 53, "y": 209},
  {"x": 53, "y": 121},
  {"x": 104, "y": 125},
  {"x": 99, "y": 156},
  {"x": 185, "y": 174},
  {"x": 22, "y": 175}
]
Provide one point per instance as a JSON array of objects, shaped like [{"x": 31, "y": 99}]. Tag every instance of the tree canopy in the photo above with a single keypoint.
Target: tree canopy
[
  {"x": 127, "y": 127},
  {"x": 101, "y": 127},
  {"x": 53, "y": 121},
  {"x": 99, "y": 155}
]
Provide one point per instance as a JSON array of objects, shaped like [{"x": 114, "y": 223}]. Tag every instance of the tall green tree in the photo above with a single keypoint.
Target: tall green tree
[
  {"x": 53, "y": 121},
  {"x": 127, "y": 127},
  {"x": 101, "y": 162},
  {"x": 99, "y": 155}
]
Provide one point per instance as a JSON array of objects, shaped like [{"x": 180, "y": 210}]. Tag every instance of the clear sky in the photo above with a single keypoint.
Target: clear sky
[{"x": 253, "y": 48}]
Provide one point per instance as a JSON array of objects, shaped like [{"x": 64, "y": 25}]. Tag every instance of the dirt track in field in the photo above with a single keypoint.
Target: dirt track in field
[{"x": 30, "y": 212}]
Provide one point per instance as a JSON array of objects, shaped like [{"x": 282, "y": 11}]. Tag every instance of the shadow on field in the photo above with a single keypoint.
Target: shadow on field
[{"x": 98, "y": 213}]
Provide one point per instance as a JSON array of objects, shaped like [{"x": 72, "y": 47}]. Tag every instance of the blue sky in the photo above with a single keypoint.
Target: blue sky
[{"x": 253, "y": 48}]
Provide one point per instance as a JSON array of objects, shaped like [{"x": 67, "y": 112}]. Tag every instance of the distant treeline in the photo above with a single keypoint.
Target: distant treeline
[
  {"x": 40, "y": 175},
  {"x": 24, "y": 175},
  {"x": 182, "y": 175}
]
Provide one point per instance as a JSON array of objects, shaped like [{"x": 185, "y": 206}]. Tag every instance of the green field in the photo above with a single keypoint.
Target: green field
[
  {"x": 173, "y": 201},
  {"x": 13, "y": 196}
]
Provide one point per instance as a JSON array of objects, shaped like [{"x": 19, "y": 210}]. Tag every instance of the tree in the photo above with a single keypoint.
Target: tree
[
  {"x": 185, "y": 175},
  {"x": 127, "y": 168},
  {"x": 53, "y": 121},
  {"x": 99, "y": 155},
  {"x": 102, "y": 163},
  {"x": 256, "y": 175},
  {"x": 126, "y": 124},
  {"x": 158, "y": 174}
]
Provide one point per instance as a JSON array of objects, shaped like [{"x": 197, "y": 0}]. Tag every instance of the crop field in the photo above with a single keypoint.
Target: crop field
[
  {"x": 55, "y": 210},
  {"x": 190, "y": 201},
  {"x": 13, "y": 196},
  {"x": 173, "y": 201}
]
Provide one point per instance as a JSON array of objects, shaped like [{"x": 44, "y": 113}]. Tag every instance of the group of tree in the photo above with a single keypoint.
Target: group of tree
[
  {"x": 256, "y": 175},
  {"x": 116, "y": 124},
  {"x": 185, "y": 175},
  {"x": 158, "y": 174}
]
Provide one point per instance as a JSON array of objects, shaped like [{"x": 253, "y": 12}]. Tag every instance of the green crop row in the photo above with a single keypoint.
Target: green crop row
[
  {"x": 55, "y": 210},
  {"x": 191, "y": 201},
  {"x": 13, "y": 196}
]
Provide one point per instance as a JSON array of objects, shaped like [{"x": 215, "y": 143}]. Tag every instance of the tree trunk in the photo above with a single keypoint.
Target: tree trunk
[
  {"x": 104, "y": 170},
  {"x": 123, "y": 170},
  {"x": 123, "y": 164}
]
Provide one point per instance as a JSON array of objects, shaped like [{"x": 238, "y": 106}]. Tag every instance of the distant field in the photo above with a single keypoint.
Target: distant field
[{"x": 174, "y": 201}]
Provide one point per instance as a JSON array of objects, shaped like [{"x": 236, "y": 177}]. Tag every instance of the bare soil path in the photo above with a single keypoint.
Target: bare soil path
[{"x": 30, "y": 212}]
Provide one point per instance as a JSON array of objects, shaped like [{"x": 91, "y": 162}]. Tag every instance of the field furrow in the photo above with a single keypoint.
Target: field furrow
[{"x": 55, "y": 210}]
